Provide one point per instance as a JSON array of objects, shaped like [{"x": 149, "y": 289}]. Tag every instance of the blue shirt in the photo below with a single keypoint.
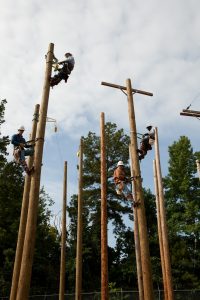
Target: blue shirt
[{"x": 18, "y": 139}]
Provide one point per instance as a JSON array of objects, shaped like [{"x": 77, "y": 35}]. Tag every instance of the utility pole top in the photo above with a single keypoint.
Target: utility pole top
[
  {"x": 190, "y": 113},
  {"x": 120, "y": 87}
]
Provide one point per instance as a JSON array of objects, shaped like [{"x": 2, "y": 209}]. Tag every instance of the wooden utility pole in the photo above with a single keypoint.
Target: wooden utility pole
[
  {"x": 136, "y": 237},
  {"x": 29, "y": 242},
  {"x": 190, "y": 113},
  {"x": 144, "y": 245},
  {"x": 163, "y": 222},
  {"x": 104, "y": 239},
  {"x": 198, "y": 167},
  {"x": 24, "y": 212},
  {"x": 78, "y": 290},
  {"x": 159, "y": 230},
  {"x": 196, "y": 114},
  {"x": 63, "y": 238}
]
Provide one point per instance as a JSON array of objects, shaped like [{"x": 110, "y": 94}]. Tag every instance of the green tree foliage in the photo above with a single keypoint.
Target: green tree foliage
[
  {"x": 4, "y": 141},
  {"x": 10, "y": 202},
  {"x": 46, "y": 266},
  {"x": 46, "y": 261},
  {"x": 183, "y": 213},
  {"x": 121, "y": 258},
  {"x": 117, "y": 149}
]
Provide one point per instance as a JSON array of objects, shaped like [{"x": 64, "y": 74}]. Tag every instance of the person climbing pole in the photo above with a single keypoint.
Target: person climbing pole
[
  {"x": 148, "y": 139},
  {"x": 121, "y": 181},
  {"x": 63, "y": 68},
  {"x": 19, "y": 151}
]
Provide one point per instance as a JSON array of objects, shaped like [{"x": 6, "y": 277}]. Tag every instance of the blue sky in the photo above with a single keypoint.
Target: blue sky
[{"x": 154, "y": 43}]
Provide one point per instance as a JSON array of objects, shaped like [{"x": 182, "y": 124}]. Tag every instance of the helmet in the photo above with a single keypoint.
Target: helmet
[
  {"x": 21, "y": 128},
  {"x": 68, "y": 54},
  {"x": 149, "y": 127},
  {"x": 120, "y": 163}
]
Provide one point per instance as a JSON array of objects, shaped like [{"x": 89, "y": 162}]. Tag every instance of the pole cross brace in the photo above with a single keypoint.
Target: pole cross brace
[
  {"x": 123, "y": 91},
  {"x": 124, "y": 88}
]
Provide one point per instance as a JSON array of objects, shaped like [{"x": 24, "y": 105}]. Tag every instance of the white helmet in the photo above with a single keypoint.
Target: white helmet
[
  {"x": 21, "y": 128},
  {"x": 120, "y": 163}
]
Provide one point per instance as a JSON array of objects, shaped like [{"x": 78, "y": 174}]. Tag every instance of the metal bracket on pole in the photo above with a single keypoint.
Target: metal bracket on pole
[{"x": 123, "y": 92}]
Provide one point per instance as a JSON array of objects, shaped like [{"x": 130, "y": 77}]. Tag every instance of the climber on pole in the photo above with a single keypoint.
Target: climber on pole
[
  {"x": 121, "y": 181},
  {"x": 19, "y": 151},
  {"x": 148, "y": 139},
  {"x": 63, "y": 68}
]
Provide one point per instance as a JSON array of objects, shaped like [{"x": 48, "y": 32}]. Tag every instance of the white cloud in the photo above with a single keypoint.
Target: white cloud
[{"x": 155, "y": 43}]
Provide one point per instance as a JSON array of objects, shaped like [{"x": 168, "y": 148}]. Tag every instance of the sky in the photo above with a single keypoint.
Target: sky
[{"x": 155, "y": 43}]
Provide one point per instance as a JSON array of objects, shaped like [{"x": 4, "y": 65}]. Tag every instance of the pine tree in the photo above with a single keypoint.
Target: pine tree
[
  {"x": 121, "y": 259},
  {"x": 46, "y": 259},
  {"x": 4, "y": 141},
  {"x": 117, "y": 149},
  {"x": 183, "y": 213}
]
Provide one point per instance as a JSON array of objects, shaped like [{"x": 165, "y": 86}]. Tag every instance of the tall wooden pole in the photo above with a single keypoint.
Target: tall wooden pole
[
  {"x": 23, "y": 217},
  {"x": 170, "y": 292},
  {"x": 104, "y": 239},
  {"x": 78, "y": 290},
  {"x": 144, "y": 244},
  {"x": 137, "y": 238},
  {"x": 198, "y": 167},
  {"x": 159, "y": 230},
  {"x": 29, "y": 242},
  {"x": 63, "y": 239}
]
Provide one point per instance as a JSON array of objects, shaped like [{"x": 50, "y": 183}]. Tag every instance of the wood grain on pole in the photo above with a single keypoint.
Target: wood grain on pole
[
  {"x": 23, "y": 217},
  {"x": 160, "y": 230},
  {"x": 29, "y": 242},
  {"x": 164, "y": 230},
  {"x": 78, "y": 290},
  {"x": 136, "y": 236},
  {"x": 63, "y": 237},
  {"x": 144, "y": 244},
  {"x": 104, "y": 241}
]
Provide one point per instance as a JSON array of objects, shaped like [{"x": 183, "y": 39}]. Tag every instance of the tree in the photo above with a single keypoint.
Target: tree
[
  {"x": 11, "y": 185},
  {"x": 4, "y": 141},
  {"x": 46, "y": 263},
  {"x": 45, "y": 275},
  {"x": 46, "y": 258},
  {"x": 117, "y": 149},
  {"x": 183, "y": 213},
  {"x": 120, "y": 258}
]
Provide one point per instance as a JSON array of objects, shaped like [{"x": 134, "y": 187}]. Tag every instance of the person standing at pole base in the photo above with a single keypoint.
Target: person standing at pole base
[
  {"x": 148, "y": 139},
  {"x": 121, "y": 181},
  {"x": 63, "y": 69},
  {"x": 19, "y": 151}
]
